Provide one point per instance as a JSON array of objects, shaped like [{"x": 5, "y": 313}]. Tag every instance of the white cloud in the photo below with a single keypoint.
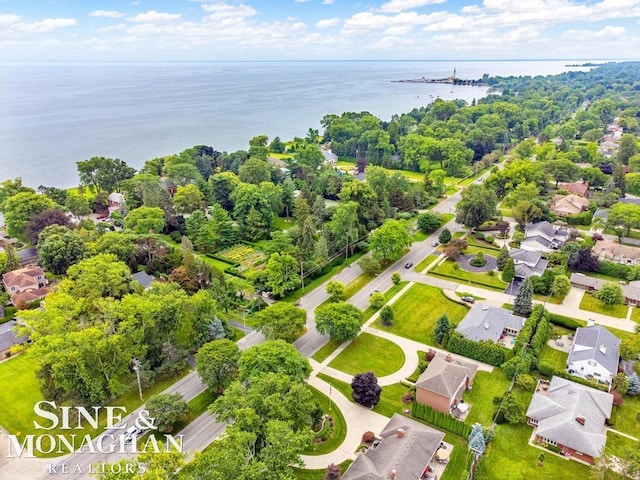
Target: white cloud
[
  {"x": 301, "y": 1},
  {"x": 153, "y": 16},
  {"x": 8, "y": 19},
  {"x": 222, "y": 11},
  {"x": 107, "y": 14},
  {"x": 328, "y": 22},
  {"x": 45, "y": 26},
  {"x": 395, "y": 6},
  {"x": 328, "y": 2},
  {"x": 609, "y": 32}
]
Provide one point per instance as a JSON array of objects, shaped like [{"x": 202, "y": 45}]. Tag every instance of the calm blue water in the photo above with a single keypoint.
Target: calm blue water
[{"x": 52, "y": 115}]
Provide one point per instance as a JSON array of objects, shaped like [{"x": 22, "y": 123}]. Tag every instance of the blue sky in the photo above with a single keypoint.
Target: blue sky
[{"x": 318, "y": 29}]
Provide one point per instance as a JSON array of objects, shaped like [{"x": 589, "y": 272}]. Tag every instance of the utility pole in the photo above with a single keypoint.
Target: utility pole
[
  {"x": 302, "y": 276},
  {"x": 137, "y": 365}
]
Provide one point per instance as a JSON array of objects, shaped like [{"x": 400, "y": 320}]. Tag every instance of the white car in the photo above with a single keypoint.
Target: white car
[{"x": 129, "y": 434}]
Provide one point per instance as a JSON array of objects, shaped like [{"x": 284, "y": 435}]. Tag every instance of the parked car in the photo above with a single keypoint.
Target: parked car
[
  {"x": 435, "y": 244},
  {"x": 408, "y": 265},
  {"x": 468, "y": 299},
  {"x": 131, "y": 431},
  {"x": 374, "y": 291}
]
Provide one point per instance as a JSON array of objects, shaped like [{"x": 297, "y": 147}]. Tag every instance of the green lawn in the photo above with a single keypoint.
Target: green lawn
[
  {"x": 214, "y": 262},
  {"x": 471, "y": 240},
  {"x": 555, "y": 357},
  {"x": 343, "y": 387},
  {"x": 591, "y": 304},
  {"x": 370, "y": 353},
  {"x": 418, "y": 309},
  {"x": 426, "y": 262},
  {"x": 419, "y": 236},
  {"x": 336, "y": 434},
  {"x": 391, "y": 400},
  {"x": 510, "y": 457},
  {"x": 302, "y": 474},
  {"x": 446, "y": 217},
  {"x": 388, "y": 295},
  {"x": 458, "y": 460},
  {"x": 356, "y": 285},
  {"x": 486, "y": 386},
  {"x": 19, "y": 392},
  {"x": 619, "y": 445},
  {"x": 416, "y": 373},
  {"x": 465, "y": 294},
  {"x": 624, "y": 416},
  {"x": 447, "y": 270},
  {"x": 635, "y": 315},
  {"x": 283, "y": 223},
  {"x": 326, "y": 350}
]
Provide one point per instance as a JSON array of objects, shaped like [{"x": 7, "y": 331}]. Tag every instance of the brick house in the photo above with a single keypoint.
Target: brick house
[{"x": 25, "y": 285}]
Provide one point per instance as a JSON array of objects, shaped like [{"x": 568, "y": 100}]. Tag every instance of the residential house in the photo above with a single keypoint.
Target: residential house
[
  {"x": 631, "y": 291},
  {"x": 608, "y": 147},
  {"x": 595, "y": 354},
  {"x": 404, "y": 450},
  {"x": 8, "y": 338},
  {"x": 543, "y": 237},
  {"x": 576, "y": 188},
  {"x": 443, "y": 383},
  {"x": 115, "y": 201},
  {"x": 329, "y": 157},
  {"x": 27, "y": 256},
  {"x": 25, "y": 285},
  {"x": 528, "y": 263},
  {"x": 563, "y": 205},
  {"x": 169, "y": 185},
  {"x": 570, "y": 417},
  {"x": 144, "y": 279},
  {"x": 489, "y": 323},
  {"x": 614, "y": 252}
]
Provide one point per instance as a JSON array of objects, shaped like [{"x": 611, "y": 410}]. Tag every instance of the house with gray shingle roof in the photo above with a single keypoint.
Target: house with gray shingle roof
[
  {"x": 8, "y": 338},
  {"x": 595, "y": 354},
  {"x": 543, "y": 237},
  {"x": 443, "y": 383},
  {"x": 489, "y": 323},
  {"x": 528, "y": 263},
  {"x": 590, "y": 284},
  {"x": 144, "y": 279},
  {"x": 571, "y": 417},
  {"x": 405, "y": 450}
]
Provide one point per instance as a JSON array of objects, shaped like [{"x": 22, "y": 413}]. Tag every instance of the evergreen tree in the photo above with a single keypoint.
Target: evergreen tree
[
  {"x": 445, "y": 236},
  {"x": 634, "y": 385},
  {"x": 216, "y": 329},
  {"x": 442, "y": 328},
  {"x": 509, "y": 271},
  {"x": 386, "y": 316},
  {"x": 503, "y": 258},
  {"x": 523, "y": 303},
  {"x": 477, "y": 443}
]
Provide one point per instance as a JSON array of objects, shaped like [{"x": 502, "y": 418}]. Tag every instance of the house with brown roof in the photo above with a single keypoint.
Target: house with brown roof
[
  {"x": 576, "y": 188},
  {"x": 403, "y": 450},
  {"x": 25, "y": 285},
  {"x": 570, "y": 417},
  {"x": 443, "y": 383},
  {"x": 614, "y": 252},
  {"x": 571, "y": 204}
]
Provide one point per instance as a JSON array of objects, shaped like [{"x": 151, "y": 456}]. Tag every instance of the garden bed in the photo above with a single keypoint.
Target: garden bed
[{"x": 245, "y": 256}]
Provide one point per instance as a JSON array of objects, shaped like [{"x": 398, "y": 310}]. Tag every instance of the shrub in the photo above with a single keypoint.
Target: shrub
[
  {"x": 365, "y": 389},
  {"x": 563, "y": 321},
  {"x": 491, "y": 273},
  {"x": 489, "y": 239},
  {"x": 395, "y": 278},
  {"x": 439, "y": 419},
  {"x": 617, "y": 399},
  {"x": 368, "y": 437},
  {"x": 422, "y": 365},
  {"x": 333, "y": 472},
  {"x": 430, "y": 355},
  {"x": 478, "y": 261},
  {"x": 479, "y": 236},
  {"x": 407, "y": 398},
  {"x": 176, "y": 236},
  {"x": 525, "y": 381},
  {"x": 483, "y": 351}
]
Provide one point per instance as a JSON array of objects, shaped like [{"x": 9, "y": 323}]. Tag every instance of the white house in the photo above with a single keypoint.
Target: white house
[
  {"x": 595, "y": 354},
  {"x": 528, "y": 262},
  {"x": 543, "y": 237}
]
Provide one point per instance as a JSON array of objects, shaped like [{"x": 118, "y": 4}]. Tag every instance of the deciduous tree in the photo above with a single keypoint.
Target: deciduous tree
[
  {"x": 428, "y": 222},
  {"x": 282, "y": 274},
  {"x": 60, "y": 249},
  {"x": 335, "y": 290},
  {"x": 610, "y": 294},
  {"x": 273, "y": 356},
  {"x": 188, "y": 199},
  {"x": 22, "y": 207},
  {"x": 217, "y": 363},
  {"x": 342, "y": 321},
  {"x": 365, "y": 389},
  {"x": 145, "y": 220},
  {"x": 281, "y": 321},
  {"x": 167, "y": 409},
  {"x": 478, "y": 205}
]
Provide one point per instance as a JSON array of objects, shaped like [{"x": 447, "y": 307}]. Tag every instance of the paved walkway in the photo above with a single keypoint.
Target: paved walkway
[{"x": 359, "y": 419}]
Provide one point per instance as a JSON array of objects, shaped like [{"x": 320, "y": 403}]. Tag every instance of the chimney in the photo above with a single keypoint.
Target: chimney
[
  {"x": 393, "y": 473},
  {"x": 400, "y": 432},
  {"x": 603, "y": 349},
  {"x": 448, "y": 358},
  {"x": 580, "y": 420}
]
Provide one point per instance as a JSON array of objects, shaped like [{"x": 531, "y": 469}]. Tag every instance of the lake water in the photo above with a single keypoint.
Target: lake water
[{"x": 53, "y": 115}]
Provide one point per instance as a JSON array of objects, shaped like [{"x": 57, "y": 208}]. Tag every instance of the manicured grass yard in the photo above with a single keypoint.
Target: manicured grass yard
[
  {"x": 426, "y": 262},
  {"x": 619, "y": 445},
  {"x": 391, "y": 400},
  {"x": 19, "y": 392},
  {"x": 356, "y": 285},
  {"x": 369, "y": 353},
  {"x": 214, "y": 262},
  {"x": 555, "y": 357},
  {"x": 486, "y": 386},
  {"x": 302, "y": 474},
  {"x": 510, "y": 457},
  {"x": 343, "y": 387},
  {"x": 624, "y": 416},
  {"x": 388, "y": 295},
  {"x": 418, "y": 309},
  {"x": 447, "y": 270},
  {"x": 635, "y": 315},
  {"x": 591, "y": 304},
  {"x": 326, "y": 350},
  {"x": 283, "y": 223},
  {"x": 338, "y": 432}
]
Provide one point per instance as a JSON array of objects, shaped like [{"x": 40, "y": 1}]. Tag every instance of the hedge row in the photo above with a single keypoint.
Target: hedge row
[
  {"x": 562, "y": 321},
  {"x": 548, "y": 370},
  {"x": 483, "y": 351},
  {"x": 442, "y": 420},
  {"x": 583, "y": 218}
]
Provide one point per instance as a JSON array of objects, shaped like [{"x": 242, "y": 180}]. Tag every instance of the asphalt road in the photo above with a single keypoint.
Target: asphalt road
[{"x": 204, "y": 429}]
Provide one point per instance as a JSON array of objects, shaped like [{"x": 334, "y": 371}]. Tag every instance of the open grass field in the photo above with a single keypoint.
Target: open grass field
[
  {"x": 19, "y": 392},
  {"x": 624, "y": 416},
  {"x": 619, "y": 445},
  {"x": 388, "y": 295},
  {"x": 391, "y": 400},
  {"x": 447, "y": 270},
  {"x": 282, "y": 223},
  {"x": 369, "y": 353},
  {"x": 591, "y": 304},
  {"x": 486, "y": 386},
  {"x": 418, "y": 309},
  {"x": 336, "y": 434},
  {"x": 326, "y": 350}
]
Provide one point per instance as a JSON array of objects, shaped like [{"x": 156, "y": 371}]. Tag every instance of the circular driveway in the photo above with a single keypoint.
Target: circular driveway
[{"x": 464, "y": 260}]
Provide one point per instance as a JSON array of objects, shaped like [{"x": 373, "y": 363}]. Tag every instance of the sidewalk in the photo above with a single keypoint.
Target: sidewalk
[{"x": 359, "y": 419}]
